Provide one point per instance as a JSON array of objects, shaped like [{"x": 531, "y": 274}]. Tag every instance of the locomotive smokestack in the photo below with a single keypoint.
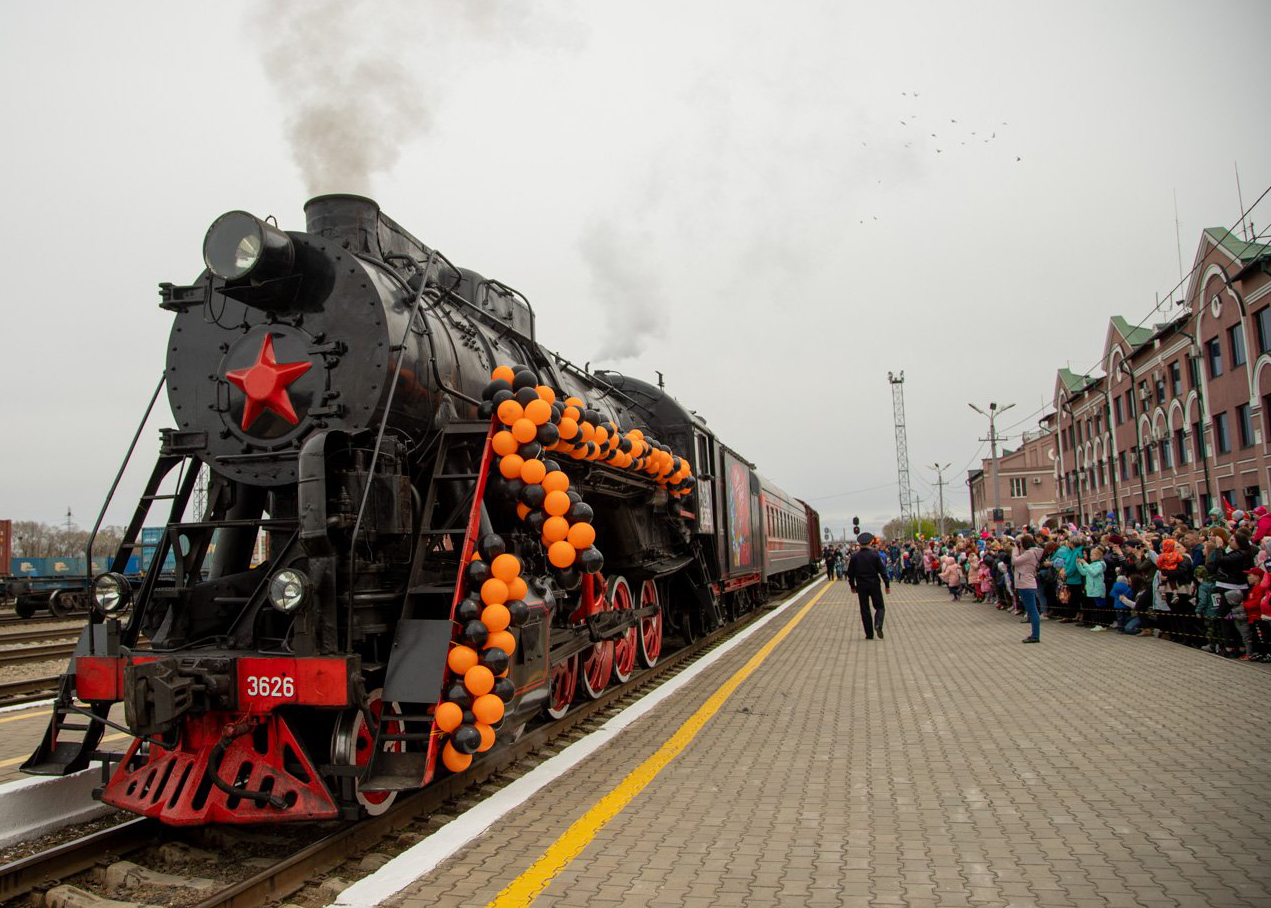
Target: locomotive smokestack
[{"x": 352, "y": 220}]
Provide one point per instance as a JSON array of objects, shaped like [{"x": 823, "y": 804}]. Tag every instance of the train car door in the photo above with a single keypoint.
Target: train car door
[{"x": 705, "y": 473}]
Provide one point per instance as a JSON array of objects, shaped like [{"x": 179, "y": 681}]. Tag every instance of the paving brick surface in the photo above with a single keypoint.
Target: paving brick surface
[{"x": 948, "y": 765}]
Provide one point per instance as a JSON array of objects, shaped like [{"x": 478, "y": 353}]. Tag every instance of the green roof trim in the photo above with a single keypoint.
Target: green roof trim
[
  {"x": 1242, "y": 250},
  {"x": 1074, "y": 381},
  {"x": 1134, "y": 335}
]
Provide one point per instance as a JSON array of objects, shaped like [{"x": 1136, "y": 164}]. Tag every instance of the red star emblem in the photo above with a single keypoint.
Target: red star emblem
[{"x": 265, "y": 384}]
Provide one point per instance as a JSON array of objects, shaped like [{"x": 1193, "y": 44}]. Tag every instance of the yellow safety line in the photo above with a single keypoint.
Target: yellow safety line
[
  {"x": 527, "y": 887},
  {"x": 41, "y": 711},
  {"x": 14, "y": 761}
]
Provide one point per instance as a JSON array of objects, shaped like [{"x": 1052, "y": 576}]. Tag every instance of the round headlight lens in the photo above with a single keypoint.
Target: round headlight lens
[
  {"x": 112, "y": 593},
  {"x": 233, "y": 245},
  {"x": 288, "y": 590}
]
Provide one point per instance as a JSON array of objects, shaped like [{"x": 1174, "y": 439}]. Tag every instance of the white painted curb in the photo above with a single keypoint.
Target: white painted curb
[
  {"x": 423, "y": 857},
  {"x": 33, "y": 806}
]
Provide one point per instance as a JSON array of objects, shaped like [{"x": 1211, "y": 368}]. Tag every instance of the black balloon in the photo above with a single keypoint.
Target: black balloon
[
  {"x": 466, "y": 739},
  {"x": 492, "y": 546},
  {"x": 475, "y": 634},
  {"x": 478, "y": 573},
  {"x": 567, "y": 578},
  {"x": 494, "y": 387},
  {"x": 533, "y": 495},
  {"x": 574, "y": 497},
  {"x": 459, "y": 694},
  {"x": 580, "y": 512},
  {"x": 591, "y": 559},
  {"x": 495, "y": 660},
  {"x": 486, "y": 410},
  {"x": 501, "y": 396},
  {"x": 524, "y": 379},
  {"x": 551, "y": 465},
  {"x": 514, "y": 488},
  {"x": 525, "y": 395},
  {"x": 469, "y": 608},
  {"x": 624, "y": 445},
  {"x": 531, "y": 450},
  {"x": 504, "y": 689},
  {"x": 548, "y": 434},
  {"x": 535, "y": 520},
  {"x": 519, "y": 611},
  {"x": 469, "y": 717}
]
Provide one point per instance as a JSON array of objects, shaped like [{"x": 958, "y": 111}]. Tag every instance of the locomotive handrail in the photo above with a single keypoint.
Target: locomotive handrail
[
  {"x": 101, "y": 515},
  {"x": 379, "y": 437}
]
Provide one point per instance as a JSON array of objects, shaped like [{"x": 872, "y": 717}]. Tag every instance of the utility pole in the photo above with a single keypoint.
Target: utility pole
[
  {"x": 902, "y": 449},
  {"x": 992, "y": 414},
  {"x": 940, "y": 485},
  {"x": 70, "y": 524}
]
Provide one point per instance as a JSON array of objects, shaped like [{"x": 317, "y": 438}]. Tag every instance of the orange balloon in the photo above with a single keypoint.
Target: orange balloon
[
  {"x": 574, "y": 402},
  {"x": 494, "y": 592},
  {"x": 509, "y": 412},
  {"x": 449, "y": 716},
  {"x": 461, "y": 659},
  {"x": 538, "y": 411},
  {"x": 581, "y": 535},
  {"x": 522, "y": 510},
  {"x": 501, "y": 640},
  {"x": 453, "y": 760},
  {"x": 534, "y": 471},
  {"x": 496, "y": 617},
  {"x": 510, "y": 466},
  {"x": 488, "y": 709},
  {"x": 555, "y": 528},
  {"x": 523, "y": 430},
  {"x": 568, "y": 428},
  {"x": 580, "y": 452},
  {"x": 487, "y": 737},
  {"x": 517, "y": 588},
  {"x": 547, "y": 394},
  {"x": 478, "y": 680},
  {"x": 506, "y": 567},
  {"x": 555, "y": 481},
  {"x": 588, "y": 430},
  {"x": 635, "y": 435},
  {"x": 602, "y": 435},
  {"x": 572, "y": 413},
  {"x": 561, "y": 554},
  {"x": 503, "y": 443},
  {"x": 556, "y": 503},
  {"x": 503, "y": 372}
]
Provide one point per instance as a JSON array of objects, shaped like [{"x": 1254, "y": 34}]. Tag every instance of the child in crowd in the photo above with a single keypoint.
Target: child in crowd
[
  {"x": 984, "y": 582},
  {"x": 1122, "y": 601},
  {"x": 1207, "y": 611},
  {"x": 1096, "y": 591},
  {"x": 952, "y": 577}
]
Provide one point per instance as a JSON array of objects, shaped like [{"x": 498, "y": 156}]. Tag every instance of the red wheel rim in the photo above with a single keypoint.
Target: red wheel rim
[
  {"x": 624, "y": 648},
  {"x": 564, "y": 685},
  {"x": 597, "y": 669},
  {"x": 650, "y": 637}
]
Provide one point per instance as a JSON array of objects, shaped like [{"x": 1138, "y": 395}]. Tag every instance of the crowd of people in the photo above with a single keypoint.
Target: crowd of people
[{"x": 1203, "y": 586}]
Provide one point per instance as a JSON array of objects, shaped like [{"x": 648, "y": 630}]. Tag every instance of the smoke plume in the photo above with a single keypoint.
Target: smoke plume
[{"x": 625, "y": 286}]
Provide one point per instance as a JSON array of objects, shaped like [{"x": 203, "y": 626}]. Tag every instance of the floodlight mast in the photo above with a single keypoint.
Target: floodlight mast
[
  {"x": 992, "y": 414},
  {"x": 902, "y": 449}
]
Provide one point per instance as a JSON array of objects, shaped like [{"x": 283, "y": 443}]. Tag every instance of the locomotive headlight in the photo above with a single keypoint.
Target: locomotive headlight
[
  {"x": 239, "y": 246},
  {"x": 288, "y": 590},
  {"x": 112, "y": 594}
]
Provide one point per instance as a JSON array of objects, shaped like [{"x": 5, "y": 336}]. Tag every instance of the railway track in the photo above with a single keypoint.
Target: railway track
[
  {"x": 28, "y": 691},
  {"x": 25, "y": 636},
  {"x": 312, "y": 860},
  {"x": 29, "y": 654}
]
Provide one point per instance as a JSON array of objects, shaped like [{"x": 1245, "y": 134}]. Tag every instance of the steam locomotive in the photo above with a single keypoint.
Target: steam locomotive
[{"x": 463, "y": 531}]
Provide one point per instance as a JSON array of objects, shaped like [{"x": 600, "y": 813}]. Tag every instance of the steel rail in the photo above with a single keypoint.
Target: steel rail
[
  {"x": 28, "y": 690},
  {"x": 29, "y": 654},
  {"x": 54, "y": 865},
  {"x": 53, "y": 633}
]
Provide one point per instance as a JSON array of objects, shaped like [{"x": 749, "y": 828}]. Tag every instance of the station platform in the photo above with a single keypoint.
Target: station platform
[{"x": 947, "y": 765}]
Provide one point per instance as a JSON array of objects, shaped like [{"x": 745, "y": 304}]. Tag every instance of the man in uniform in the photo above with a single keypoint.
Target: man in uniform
[{"x": 868, "y": 577}]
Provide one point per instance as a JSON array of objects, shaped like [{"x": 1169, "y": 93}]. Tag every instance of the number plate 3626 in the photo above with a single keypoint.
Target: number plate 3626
[{"x": 270, "y": 686}]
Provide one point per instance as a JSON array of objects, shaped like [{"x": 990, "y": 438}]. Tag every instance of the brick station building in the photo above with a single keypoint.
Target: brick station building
[
  {"x": 1181, "y": 412},
  {"x": 1025, "y": 480}
]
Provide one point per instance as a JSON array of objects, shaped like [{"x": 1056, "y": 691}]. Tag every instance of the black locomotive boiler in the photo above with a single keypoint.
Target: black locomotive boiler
[{"x": 461, "y": 531}]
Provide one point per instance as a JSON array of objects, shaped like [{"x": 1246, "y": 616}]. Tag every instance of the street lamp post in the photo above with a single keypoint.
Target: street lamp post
[{"x": 992, "y": 415}]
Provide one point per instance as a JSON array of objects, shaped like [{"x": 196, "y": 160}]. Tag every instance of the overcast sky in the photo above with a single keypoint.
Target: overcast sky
[{"x": 773, "y": 204}]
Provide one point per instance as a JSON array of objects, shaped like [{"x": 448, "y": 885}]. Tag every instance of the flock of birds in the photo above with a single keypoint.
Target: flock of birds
[{"x": 962, "y": 135}]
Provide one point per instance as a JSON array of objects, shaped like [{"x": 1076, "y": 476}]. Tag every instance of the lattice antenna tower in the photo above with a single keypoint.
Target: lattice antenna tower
[{"x": 902, "y": 448}]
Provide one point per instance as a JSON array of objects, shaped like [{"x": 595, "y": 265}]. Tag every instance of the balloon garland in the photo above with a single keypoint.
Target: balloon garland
[{"x": 534, "y": 420}]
